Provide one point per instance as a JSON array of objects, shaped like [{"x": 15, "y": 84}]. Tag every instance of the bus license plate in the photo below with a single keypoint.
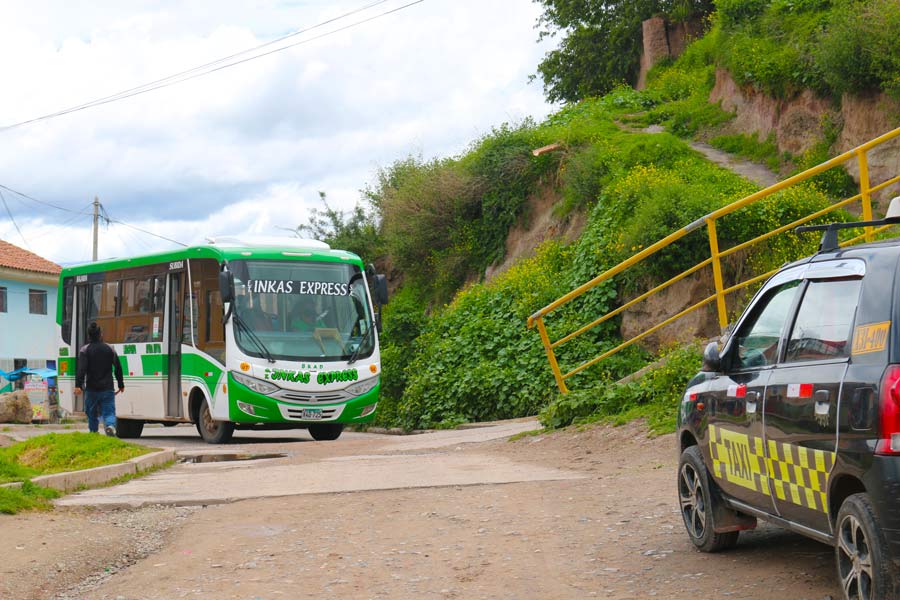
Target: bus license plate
[{"x": 311, "y": 414}]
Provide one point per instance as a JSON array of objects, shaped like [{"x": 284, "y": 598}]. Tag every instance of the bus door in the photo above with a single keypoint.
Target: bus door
[
  {"x": 173, "y": 333},
  {"x": 87, "y": 305}
]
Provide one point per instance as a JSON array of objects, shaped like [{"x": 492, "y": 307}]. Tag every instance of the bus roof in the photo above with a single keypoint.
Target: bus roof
[{"x": 227, "y": 249}]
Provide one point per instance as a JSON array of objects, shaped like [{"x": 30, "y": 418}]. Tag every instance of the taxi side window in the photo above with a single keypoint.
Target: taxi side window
[
  {"x": 757, "y": 340},
  {"x": 824, "y": 321}
]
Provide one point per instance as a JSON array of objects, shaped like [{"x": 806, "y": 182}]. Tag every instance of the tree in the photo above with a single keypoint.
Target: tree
[
  {"x": 601, "y": 44},
  {"x": 356, "y": 232}
]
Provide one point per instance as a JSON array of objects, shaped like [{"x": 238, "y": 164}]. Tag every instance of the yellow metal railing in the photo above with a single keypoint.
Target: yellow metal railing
[{"x": 714, "y": 260}]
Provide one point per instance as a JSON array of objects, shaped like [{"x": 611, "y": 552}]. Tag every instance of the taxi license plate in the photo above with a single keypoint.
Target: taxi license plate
[{"x": 311, "y": 414}]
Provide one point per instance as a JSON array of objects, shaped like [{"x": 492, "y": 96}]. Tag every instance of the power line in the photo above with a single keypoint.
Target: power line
[
  {"x": 9, "y": 212},
  {"x": 149, "y": 86},
  {"x": 162, "y": 237},
  {"x": 66, "y": 223},
  {"x": 217, "y": 65},
  {"x": 27, "y": 197},
  {"x": 105, "y": 215}
]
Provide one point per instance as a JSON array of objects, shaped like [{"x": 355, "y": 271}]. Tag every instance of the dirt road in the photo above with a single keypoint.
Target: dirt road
[{"x": 611, "y": 531}]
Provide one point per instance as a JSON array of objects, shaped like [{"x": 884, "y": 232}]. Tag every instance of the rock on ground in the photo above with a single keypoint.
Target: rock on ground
[{"x": 15, "y": 407}]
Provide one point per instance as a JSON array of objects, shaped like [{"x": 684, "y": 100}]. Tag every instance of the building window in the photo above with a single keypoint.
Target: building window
[
  {"x": 37, "y": 302},
  {"x": 2, "y": 299}
]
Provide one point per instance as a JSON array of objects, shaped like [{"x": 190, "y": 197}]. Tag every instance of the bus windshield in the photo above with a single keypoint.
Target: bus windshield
[{"x": 294, "y": 310}]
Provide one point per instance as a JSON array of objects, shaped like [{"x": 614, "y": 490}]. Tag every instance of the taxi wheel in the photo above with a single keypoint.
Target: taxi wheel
[
  {"x": 212, "y": 431},
  {"x": 861, "y": 551},
  {"x": 698, "y": 501},
  {"x": 325, "y": 432}
]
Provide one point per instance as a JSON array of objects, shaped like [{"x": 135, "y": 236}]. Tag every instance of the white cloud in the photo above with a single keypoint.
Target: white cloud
[{"x": 246, "y": 148}]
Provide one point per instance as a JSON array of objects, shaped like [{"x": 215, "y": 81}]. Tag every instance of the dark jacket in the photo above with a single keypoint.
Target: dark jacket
[{"x": 96, "y": 362}]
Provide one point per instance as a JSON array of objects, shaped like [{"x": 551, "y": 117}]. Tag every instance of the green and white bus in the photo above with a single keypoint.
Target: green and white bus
[{"x": 276, "y": 334}]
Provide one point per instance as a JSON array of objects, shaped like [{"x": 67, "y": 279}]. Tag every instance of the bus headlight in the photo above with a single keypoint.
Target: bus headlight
[
  {"x": 361, "y": 387},
  {"x": 257, "y": 385}
]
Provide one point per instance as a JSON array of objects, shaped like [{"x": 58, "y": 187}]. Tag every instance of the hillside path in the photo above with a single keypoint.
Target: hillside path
[{"x": 755, "y": 172}]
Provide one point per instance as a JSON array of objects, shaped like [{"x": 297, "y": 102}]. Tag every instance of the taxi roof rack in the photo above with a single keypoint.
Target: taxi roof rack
[{"x": 830, "y": 242}]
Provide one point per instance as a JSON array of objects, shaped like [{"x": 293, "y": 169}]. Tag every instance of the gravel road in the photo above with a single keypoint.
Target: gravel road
[{"x": 614, "y": 533}]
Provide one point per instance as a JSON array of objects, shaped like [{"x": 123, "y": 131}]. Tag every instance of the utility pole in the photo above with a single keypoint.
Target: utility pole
[{"x": 96, "y": 219}]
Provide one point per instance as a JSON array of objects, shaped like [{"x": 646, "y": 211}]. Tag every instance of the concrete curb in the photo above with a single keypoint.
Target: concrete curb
[{"x": 71, "y": 480}]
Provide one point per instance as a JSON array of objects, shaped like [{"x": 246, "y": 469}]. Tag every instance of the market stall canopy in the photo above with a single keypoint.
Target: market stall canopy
[{"x": 19, "y": 373}]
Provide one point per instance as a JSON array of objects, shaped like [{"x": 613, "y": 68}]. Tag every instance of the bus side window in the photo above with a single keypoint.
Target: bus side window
[
  {"x": 158, "y": 308},
  {"x": 134, "y": 321},
  {"x": 68, "y": 298}
]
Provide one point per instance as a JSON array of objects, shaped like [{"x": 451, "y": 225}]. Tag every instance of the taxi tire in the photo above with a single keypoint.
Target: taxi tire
[
  {"x": 861, "y": 552},
  {"x": 699, "y": 500}
]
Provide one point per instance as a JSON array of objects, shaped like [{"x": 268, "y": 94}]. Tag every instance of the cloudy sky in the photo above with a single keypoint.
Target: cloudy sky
[{"x": 244, "y": 149}]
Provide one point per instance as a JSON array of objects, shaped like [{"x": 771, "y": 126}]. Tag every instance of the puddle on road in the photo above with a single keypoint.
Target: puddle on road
[{"x": 212, "y": 458}]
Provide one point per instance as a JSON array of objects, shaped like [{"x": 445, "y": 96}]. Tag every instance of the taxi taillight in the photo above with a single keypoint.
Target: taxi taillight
[{"x": 889, "y": 412}]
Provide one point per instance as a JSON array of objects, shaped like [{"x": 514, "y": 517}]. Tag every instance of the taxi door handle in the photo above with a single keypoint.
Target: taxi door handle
[
  {"x": 822, "y": 405},
  {"x": 750, "y": 399}
]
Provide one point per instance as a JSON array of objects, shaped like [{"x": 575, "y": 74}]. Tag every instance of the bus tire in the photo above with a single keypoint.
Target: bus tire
[
  {"x": 129, "y": 428},
  {"x": 212, "y": 431},
  {"x": 326, "y": 432}
]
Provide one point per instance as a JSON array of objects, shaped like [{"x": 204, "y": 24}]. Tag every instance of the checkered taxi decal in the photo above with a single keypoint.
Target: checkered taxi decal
[{"x": 796, "y": 474}]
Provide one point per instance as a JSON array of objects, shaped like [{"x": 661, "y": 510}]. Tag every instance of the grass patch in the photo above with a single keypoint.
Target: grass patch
[
  {"x": 749, "y": 147},
  {"x": 525, "y": 434},
  {"x": 56, "y": 453},
  {"x": 28, "y": 497}
]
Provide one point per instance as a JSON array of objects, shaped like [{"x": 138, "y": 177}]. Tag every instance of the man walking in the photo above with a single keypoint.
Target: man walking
[{"x": 96, "y": 363}]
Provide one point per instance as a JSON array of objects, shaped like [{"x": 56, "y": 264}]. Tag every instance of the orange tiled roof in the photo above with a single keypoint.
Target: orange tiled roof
[{"x": 13, "y": 257}]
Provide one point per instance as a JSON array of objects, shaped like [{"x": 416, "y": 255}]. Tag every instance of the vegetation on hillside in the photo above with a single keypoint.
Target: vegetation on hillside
[
  {"x": 600, "y": 45},
  {"x": 830, "y": 46},
  {"x": 778, "y": 46},
  {"x": 456, "y": 349}
]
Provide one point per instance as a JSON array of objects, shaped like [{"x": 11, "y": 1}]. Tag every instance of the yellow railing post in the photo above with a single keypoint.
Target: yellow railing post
[
  {"x": 717, "y": 272},
  {"x": 551, "y": 356},
  {"x": 865, "y": 192}
]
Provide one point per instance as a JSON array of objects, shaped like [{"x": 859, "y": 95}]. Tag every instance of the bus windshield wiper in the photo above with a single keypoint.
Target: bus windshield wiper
[
  {"x": 362, "y": 342},
  {"x": 253, "y": 337}
]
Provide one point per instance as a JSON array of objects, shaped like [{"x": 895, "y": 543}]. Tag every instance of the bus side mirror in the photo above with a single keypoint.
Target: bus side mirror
[
  {"x": 712, "y": 361},
  {"x": 226, "y": 286},
  {"x": 381, "y": 289}
]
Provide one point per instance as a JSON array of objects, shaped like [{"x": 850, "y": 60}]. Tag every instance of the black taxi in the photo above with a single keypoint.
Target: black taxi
[{"x": 797, "y": 419}]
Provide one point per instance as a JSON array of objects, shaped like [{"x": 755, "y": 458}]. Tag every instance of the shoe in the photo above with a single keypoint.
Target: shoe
[{"x": 110, "y": 431}]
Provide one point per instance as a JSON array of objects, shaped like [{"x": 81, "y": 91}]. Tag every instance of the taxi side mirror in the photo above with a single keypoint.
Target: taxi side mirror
[{"x": 712, "y": 360}]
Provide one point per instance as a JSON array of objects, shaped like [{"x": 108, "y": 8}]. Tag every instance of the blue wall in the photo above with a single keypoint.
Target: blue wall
[{"x": 22, "y": 334}]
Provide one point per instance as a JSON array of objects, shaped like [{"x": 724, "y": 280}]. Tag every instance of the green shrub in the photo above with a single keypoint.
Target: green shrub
[
  {"x": 860, "y": 50},
  {"x": 836, "y": 181},
  {"x": 403, "y": 320},
  {"x": 655, "y": 396},
  {"x": 735, "y": 12}
]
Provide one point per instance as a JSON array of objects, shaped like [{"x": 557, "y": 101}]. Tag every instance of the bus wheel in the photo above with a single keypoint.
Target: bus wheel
[
  {"x": 129, "y": 428},
  {"x": 324, "y": 432},
  {"x": 212, "y": 431}
]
